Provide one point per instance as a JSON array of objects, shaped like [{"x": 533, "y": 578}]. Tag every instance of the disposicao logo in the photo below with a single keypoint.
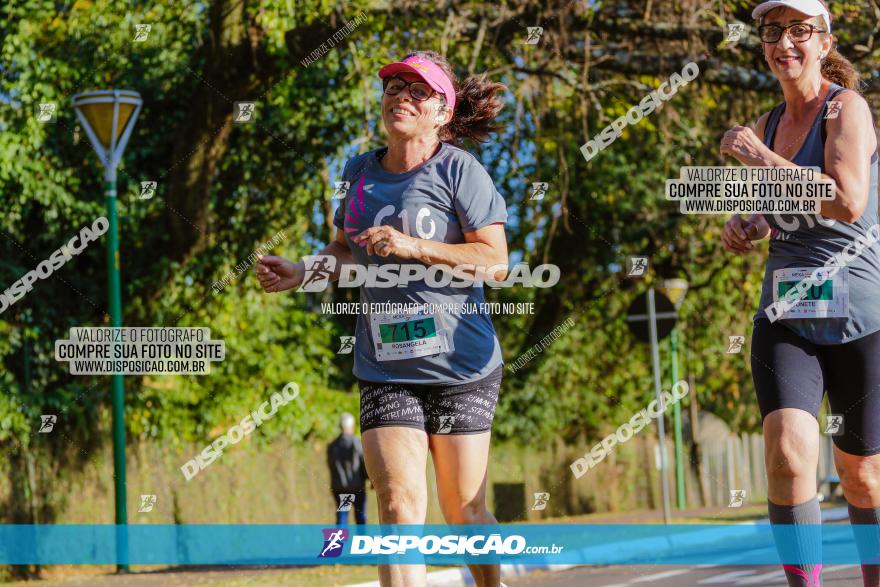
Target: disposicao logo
[{"x": 334, "y": 542}]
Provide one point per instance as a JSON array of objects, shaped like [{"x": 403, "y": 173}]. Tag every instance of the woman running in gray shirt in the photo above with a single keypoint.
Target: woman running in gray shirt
[{"x": 429, "y": 381}]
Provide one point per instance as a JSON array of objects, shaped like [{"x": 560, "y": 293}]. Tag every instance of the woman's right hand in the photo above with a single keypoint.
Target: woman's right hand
[
  {"x": 278, "y": 274},
  {"x": 739, "y": 233}
]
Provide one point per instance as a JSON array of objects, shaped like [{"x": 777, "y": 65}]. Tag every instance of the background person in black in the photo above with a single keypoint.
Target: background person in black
[{"x": 348, "y": 475}]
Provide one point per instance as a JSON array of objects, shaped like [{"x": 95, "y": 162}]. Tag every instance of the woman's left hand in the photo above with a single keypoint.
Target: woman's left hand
[
  {"x": 385, "y": 240},
  {"x": 742, "y": 143}
]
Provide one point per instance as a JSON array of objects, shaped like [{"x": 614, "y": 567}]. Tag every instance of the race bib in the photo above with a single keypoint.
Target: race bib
[
  {"x": 829, "y": 299},
  {"x": 407, "y": 335}
]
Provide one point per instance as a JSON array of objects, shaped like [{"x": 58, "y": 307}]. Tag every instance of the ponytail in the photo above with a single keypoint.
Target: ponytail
[
  {"x": 476, "y": 104},
  {"x": 476, "y": 107},
  {"x": 838, "y": 69}
]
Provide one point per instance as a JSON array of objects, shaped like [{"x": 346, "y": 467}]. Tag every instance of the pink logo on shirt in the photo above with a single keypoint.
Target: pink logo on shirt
[{"x": 352, "y": 215}]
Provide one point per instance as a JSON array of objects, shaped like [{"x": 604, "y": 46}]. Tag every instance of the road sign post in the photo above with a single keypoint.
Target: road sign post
[
  {"x": 676, "y": 418},
  {"x": 659, "y": 313}
]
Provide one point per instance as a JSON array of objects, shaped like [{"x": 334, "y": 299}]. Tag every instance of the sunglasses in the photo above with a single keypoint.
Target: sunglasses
[
  {"x": 418, "y": 90},
  {"x": 799, "y": 32}
]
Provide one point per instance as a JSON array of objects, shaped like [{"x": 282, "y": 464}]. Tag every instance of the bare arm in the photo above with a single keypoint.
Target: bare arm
[
  {"x": 484, "y": 247},
  {"x": 338, "y": 248},
  {"x": 738, "y": 234},
  {"x": 757, "y": 220},
  {"x": 278, "y": 274},
  {"x": 848, "y": 152}
]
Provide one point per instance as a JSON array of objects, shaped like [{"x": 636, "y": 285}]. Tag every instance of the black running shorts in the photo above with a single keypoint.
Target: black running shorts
[
  {"x": 466, "y": 408},
  {"x": 791, "y": 372}
]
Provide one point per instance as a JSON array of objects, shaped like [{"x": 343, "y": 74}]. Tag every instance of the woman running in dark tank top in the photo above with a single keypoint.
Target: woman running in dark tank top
[{"x": 829, "y": 338}]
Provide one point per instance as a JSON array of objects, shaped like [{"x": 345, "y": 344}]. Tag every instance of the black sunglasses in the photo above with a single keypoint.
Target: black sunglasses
[
  {"x": 800, "y": 32},
  {"x": 418, "y": 90}
]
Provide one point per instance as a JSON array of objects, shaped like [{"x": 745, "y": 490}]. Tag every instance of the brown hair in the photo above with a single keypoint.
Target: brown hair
[
  {"x": 476, "y": 104},
  {"x": 836, "y": 67}
]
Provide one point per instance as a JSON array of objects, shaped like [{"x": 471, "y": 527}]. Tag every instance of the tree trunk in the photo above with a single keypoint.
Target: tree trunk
[{"x": 236, "y": 69}]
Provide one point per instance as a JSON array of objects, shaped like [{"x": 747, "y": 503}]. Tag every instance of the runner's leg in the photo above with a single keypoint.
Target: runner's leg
[
  {"x": 461, "y": 463},
  {"x": 791, "y": 454},
  {"x": 854, "y": 393},
  {"x": 461, "y": 455},
  {"x": 396, "y": 458},
  {"x": 860, "y": 478},
  {"x": 789, "y": 380}
]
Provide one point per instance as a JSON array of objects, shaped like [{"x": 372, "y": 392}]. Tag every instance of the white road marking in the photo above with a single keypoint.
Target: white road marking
[
  {"x": 663, "y": 575},
  {"x": 726, "y": 577},
  {"x": 766, "y": 578},
  {"x": 745, "y": 577},
  {"x": 836, "y": 568},
  {"x": 771, "y": 577}
]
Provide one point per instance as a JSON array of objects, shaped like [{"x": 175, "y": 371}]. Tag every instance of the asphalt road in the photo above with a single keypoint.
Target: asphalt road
[
  {"x": 693, "y": 575},
  {"x": 670, "y": 576},
  {"x": 584, "y": 576},
  {"x": 581, "y": 576}
]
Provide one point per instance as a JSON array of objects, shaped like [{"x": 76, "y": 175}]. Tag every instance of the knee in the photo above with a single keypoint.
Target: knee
[
  {"x": 473, "y": 512},
  {"x": 860, "y": 478},
  {"x": 791, "y": 454},
  {"x": 400, "y": 505}
]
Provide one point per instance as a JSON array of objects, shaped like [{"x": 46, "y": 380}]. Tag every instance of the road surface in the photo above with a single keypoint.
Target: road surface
[{"x": 671, "y": 576}]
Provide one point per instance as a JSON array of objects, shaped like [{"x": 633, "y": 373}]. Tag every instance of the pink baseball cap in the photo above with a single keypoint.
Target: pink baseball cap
[{"x": 428, "y": 70}]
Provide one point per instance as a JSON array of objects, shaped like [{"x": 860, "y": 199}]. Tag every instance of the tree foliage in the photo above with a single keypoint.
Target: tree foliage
[{"x": 224, "y": 188}]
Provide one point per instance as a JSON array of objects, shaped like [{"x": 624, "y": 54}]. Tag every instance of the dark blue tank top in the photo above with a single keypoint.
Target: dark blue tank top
[{"x": 809, "y": 240}]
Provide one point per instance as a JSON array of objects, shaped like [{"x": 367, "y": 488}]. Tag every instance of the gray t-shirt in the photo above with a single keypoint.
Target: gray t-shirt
[
  {"x": 440, "y": 200},
  {"x": 809, "y": 241}
]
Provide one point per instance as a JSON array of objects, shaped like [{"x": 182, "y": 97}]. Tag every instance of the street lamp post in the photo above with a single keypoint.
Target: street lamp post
[{"x": 108, "y": 117}]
